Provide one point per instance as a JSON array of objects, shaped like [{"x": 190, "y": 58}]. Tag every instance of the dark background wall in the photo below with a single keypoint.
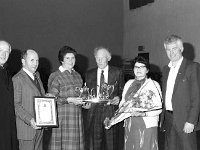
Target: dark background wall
[
  {"x": 149, "y": 25},
  {"x": 47, "y": 25}
]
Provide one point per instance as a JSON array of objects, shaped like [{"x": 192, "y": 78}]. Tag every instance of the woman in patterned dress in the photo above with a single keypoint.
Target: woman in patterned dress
[
  {"x": 62, "y": 84},
  {"x": 141, "y": 127}
]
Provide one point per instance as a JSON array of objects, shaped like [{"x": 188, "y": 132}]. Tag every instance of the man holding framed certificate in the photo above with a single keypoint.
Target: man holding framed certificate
[{"x": 27, "y": 85}]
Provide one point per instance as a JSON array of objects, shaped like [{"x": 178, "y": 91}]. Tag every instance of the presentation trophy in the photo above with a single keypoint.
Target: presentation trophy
[{"x": 91, "y": 96}]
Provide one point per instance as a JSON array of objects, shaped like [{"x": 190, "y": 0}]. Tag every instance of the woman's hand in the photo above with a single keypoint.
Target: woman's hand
[
  {"x": 115, "y": 100},
  {"x": 86, "y": 105},
  {"x": 138, "y": 114},
  {"x": 75, "y": 100},
  {"x": 107, "y": 123}
]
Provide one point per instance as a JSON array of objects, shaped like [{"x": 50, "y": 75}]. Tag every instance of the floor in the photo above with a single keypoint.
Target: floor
[{"x": 161, "y": 140}]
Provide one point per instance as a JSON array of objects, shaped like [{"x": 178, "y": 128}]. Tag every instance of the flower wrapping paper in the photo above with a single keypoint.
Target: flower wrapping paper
[{"x": 147, "y": 98}]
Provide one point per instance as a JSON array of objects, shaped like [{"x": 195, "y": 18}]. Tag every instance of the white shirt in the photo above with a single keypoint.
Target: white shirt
[
  {"x": 99, "y": 77},
  {"x": 29, "y": 73},
  {"x": 170, "y": 83}
]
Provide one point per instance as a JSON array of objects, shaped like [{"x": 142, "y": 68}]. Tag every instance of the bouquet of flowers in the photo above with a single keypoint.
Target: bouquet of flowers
[
  {"x": 142, "y": 102},
  {"x": 147, "y": 98}
]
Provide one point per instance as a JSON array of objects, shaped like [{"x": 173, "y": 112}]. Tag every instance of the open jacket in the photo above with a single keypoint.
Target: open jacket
[
  {"x": 185, "y": 96},
  {"x": 24, "y": 92}
]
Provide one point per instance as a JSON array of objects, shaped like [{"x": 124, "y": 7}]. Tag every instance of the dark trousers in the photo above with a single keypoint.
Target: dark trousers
[
  {"x": 177, "y": 139},
  {"x": 103, "y": 139}
]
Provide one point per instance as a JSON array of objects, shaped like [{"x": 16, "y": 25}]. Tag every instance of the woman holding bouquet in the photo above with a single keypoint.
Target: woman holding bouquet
[
  {"x": 144, "y": 93},
  {"x": 139, "y": 108}
]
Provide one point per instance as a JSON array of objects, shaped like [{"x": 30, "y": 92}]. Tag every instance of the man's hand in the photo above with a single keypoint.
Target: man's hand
[
  {"x": 188, "y": 127},
  {"x": 49, "y": 95},
  {"x": 115, "y": 100},
  {"x": 33, "y": 124}
]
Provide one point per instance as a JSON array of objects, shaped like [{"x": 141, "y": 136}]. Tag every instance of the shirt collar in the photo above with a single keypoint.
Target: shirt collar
[
  {"x": 177, "y": 65},
  {"x": 1, "y": 67},
  {"x": 29, "y": 73},
  {"x": 62, "y": 69},
  {"x": 105, "y": 69}
]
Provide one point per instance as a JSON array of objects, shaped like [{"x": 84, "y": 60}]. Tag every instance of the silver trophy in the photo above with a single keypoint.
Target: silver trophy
[
  {"x": 85, "y": 93},
  {"x": 105, "y": 91},
  {"x": 89, "y": 95}
]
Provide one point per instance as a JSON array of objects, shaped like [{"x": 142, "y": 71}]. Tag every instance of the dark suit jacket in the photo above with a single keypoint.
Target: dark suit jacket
[
  {"x": 8, "y": 133},
  {"x": 24, "y": 92},
  {"x": 115, "y": 77},
  {"x": 186, "y": 95}
]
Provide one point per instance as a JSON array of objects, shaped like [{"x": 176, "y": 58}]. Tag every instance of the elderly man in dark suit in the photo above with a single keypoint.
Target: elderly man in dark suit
[
  {"x": 27, "y": 84},
  {"x": 8, "y": 134},
  {"x": 180, "y": 119},
  {"x": 101, "y": 138}
]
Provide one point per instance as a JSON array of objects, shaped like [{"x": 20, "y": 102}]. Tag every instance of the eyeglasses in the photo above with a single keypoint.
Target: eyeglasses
[{"x": 139, "y": 67}]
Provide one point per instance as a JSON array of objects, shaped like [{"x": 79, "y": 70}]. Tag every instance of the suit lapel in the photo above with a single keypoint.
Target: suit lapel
[
  {"x": 111, "y": 74},
  {"x": 180, "y": 74},
  {"x": 40, "y": 84},
  {"x": 165, "y": 77},
  {"x": 92, "y": 79},
  {"x": 28, "y": 80}
]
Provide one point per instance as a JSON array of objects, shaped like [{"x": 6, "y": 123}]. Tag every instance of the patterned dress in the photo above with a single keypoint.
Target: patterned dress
[
  {"x": 137, "y": 136},
  {"x": 69, "y": 133}
]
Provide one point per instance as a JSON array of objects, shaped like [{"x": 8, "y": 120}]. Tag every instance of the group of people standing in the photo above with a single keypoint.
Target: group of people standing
[{"x": 178, "y": 103}]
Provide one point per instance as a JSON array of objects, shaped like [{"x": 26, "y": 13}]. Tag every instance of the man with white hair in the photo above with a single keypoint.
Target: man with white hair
[
  {"x": 8, "y": 135},
  {"x": 103, "y": 139}
]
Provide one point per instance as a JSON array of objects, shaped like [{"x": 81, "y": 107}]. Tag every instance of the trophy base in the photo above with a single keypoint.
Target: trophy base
[{"x": 96, "y": 100}]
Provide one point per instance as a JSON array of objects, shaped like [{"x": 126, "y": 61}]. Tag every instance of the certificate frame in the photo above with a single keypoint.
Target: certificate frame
[{"x": 45, "y": 111}]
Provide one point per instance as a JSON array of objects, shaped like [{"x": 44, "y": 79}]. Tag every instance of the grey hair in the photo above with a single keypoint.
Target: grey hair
[
  {"x": 5, "y": 42},
  {"x": 173, "y": 39},
  {"x": 107, "y": 51}
]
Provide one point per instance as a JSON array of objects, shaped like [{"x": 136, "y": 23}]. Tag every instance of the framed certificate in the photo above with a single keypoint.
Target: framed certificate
[{"x": 45, "y": 111}]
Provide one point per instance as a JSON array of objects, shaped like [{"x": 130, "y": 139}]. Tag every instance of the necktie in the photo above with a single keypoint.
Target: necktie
[
  {"x": 36, "y": 82},
  {"x": 35, "y": 79},
  {"x": 102, "y": 81}
]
